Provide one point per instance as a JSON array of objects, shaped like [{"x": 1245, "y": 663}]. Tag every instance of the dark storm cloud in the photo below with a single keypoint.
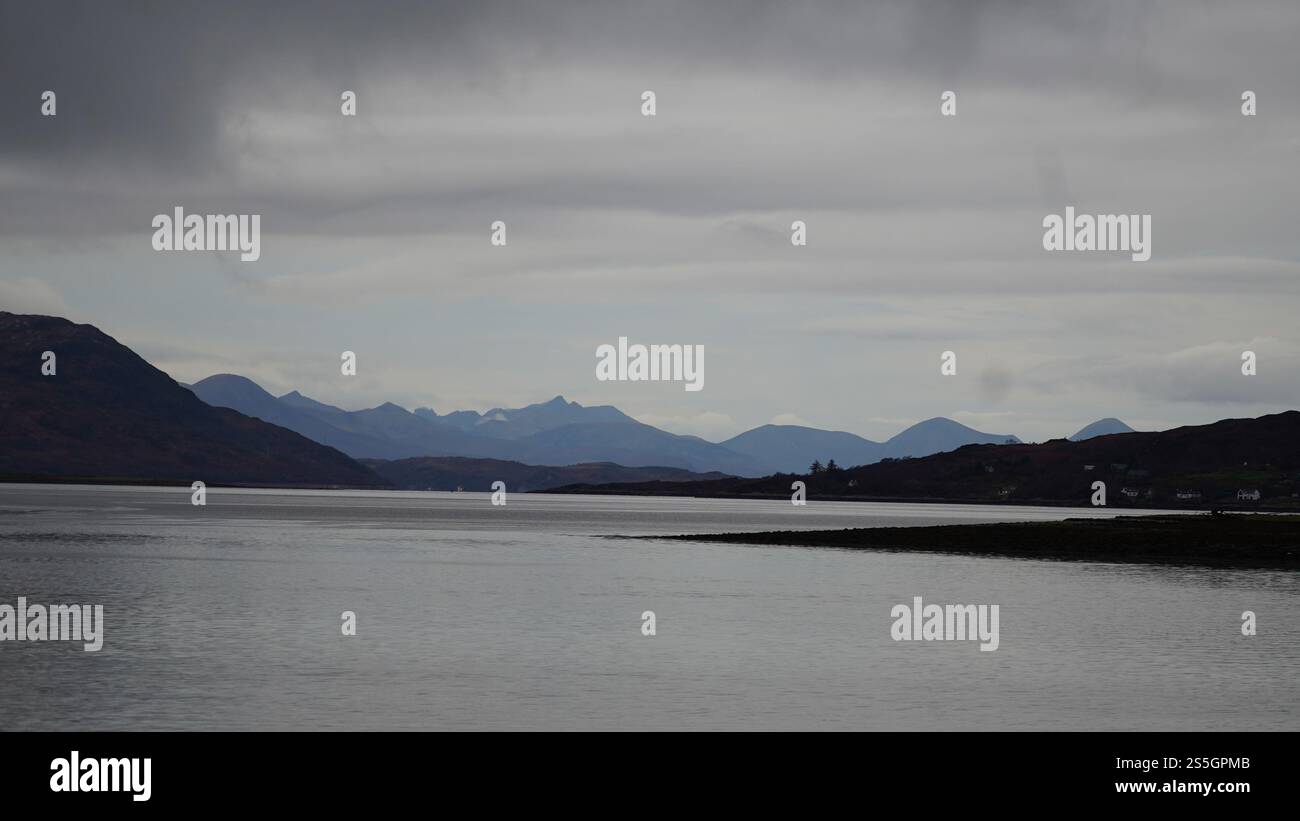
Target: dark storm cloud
[
  {"x": 232, "y": 105},
  {"x": 157, "y": 99},
  {"x": 151, "y": 85}
]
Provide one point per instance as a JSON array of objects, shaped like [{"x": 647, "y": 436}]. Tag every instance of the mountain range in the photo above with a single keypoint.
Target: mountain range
[
  {"x": 1232, "y": 463},
  {"x": 557, "y": 432},
  {"x": 560, "y": 432},
  {"x": 792, "y": 448},
  {"x": 108, "y": 413}
]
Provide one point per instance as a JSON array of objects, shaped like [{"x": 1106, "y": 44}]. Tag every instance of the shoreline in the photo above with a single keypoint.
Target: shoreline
[
  {"x": 1118, "y": 506},
  {"x": 1229, "y": 541},
  {"x": 596, "y": 490},
  {"x": 99, "y": 481}
]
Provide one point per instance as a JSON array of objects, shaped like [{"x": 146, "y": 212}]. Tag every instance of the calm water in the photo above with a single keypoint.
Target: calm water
[{"x": 525, "y": 617}]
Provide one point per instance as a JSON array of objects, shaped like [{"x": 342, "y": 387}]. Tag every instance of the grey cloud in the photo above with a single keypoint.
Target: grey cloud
[
  {"x": 151, "y": 83},
  {"x": 769, "y": 112}
]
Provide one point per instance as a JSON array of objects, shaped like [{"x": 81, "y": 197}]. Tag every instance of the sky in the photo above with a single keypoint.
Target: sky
[{"x": 924, "y": 231}]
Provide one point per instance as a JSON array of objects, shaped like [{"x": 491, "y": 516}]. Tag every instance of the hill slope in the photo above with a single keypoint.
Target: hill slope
[
  {"x": 453, "y": 472},
  {"x": 633, "y": 444},
  {"x": 384, "y": 432},
  {"x": 792, "y": 448},
  {"x": 106, "y": 413}
]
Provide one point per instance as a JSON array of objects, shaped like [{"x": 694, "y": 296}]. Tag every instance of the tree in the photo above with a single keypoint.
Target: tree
[
  {"x": 815, "y": 467},
  {"x": 831, "y": 467}
]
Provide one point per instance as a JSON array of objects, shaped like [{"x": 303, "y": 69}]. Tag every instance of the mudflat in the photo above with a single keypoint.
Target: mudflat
[{"x": 1248, "y": 540}]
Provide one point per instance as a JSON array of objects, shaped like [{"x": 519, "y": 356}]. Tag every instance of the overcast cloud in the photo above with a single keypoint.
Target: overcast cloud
[{"x": 924, "y": 231}]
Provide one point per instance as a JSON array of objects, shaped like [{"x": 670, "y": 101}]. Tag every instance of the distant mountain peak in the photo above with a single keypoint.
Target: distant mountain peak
[
  {"x": 294, "y": 399},
  {"x": 1102, "y": 427},
  {"x": 221, "y": 377},
  {"x": 945, "y": 422},
  {"x": 939, "y": 434},
  {"x": 231, "y": 379},
  {"x": 233, "y": 391}
]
